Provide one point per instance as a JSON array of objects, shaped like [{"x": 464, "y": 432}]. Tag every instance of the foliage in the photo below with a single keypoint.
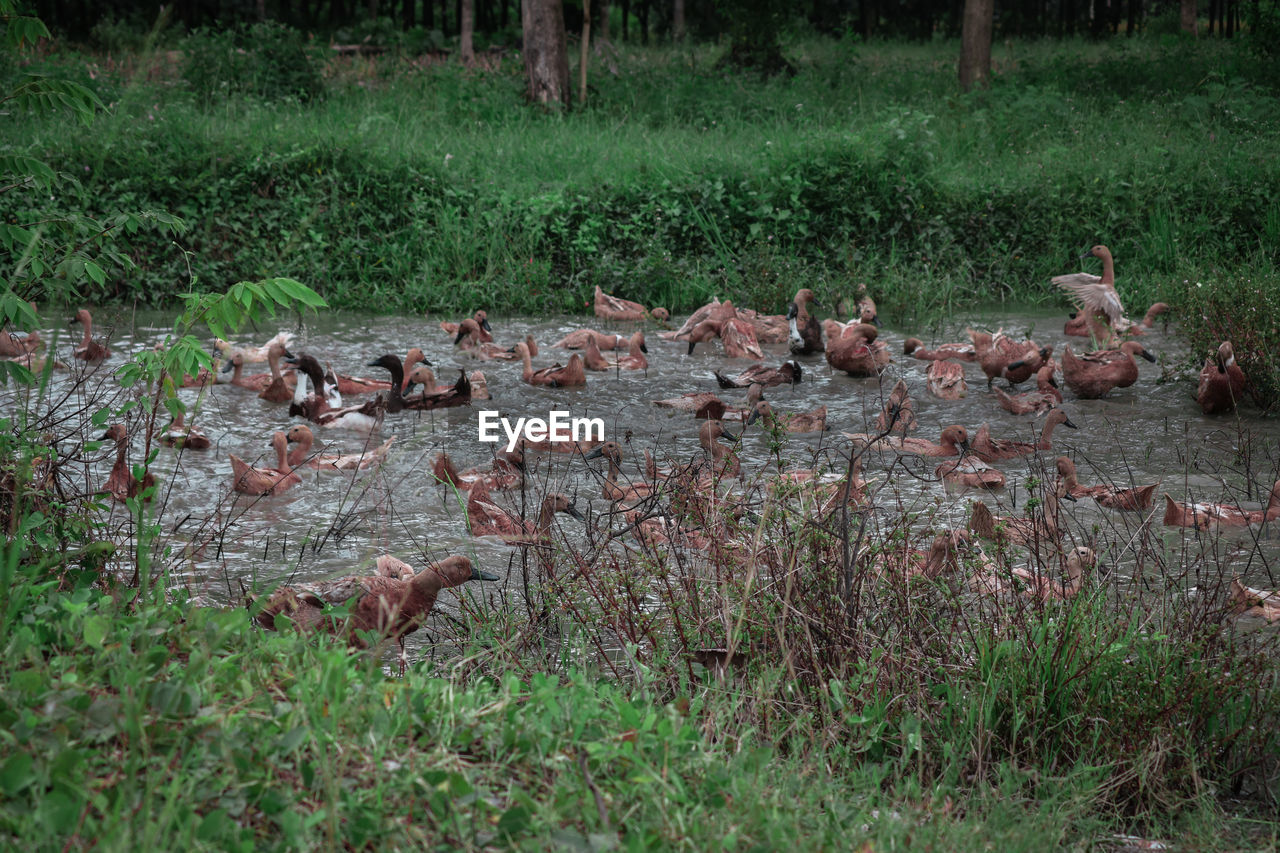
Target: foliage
[
  {"x": 264, "y": 60},
  {"x": 1244, "y": 311}
]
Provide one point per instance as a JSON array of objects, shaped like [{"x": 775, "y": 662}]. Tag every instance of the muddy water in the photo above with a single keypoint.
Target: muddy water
[{"x": 336, "y": 522}]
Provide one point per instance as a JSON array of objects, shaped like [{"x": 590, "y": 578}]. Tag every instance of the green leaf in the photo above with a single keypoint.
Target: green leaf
[
  {"x": 96, "y": 627},
  {"x": 16, "y": 774},
  {"x": 95, "y": 272}
]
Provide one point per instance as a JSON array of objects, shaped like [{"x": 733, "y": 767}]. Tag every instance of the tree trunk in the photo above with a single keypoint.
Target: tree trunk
[
  {"x": 373, "y": 10},
  {"x": 546, "y": 51},
  {"x": 644, "y": 21},
  {"x": 584, "y": 52},
  {"x": 603, "y": 9},
  {"x": 626, "y": 19},
  {"x": 410, "y": 14},
  {"x": 466, "y": 28},
  {"x": 1189, "y": 16},
  {"x": 677, "y": 20},
  {"x": 975, "y": 43}
]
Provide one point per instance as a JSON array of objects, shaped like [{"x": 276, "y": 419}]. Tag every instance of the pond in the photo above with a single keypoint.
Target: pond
[{"x": 335, "y": 523}]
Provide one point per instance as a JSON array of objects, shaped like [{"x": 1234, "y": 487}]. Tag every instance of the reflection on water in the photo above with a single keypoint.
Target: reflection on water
[{"x": 337, "y": 522}]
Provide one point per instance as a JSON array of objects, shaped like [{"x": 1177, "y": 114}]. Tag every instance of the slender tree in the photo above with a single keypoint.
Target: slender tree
[
  {"x": 975, "y": 43},
  {"x": 466, "y": 28},
  {"x": 546, "y": 51},
  {"x": 1189, "y": 16}
]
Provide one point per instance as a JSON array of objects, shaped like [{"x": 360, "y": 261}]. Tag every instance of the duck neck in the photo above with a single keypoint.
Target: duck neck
[
  {"x": 88, "y": 333},
  {"x": 527, "y": 360},
  {"x": 273, "y": 362},
  {"x": 282, "y": 453},
  {"x": 300, "y": 450},
  {"x": 1108, "y": 270}
]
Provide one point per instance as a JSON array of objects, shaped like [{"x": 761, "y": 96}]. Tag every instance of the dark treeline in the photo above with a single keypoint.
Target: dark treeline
[{"x": 498, "y": 21}]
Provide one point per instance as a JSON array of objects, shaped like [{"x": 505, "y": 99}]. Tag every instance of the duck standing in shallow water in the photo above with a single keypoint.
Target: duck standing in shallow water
[
  {"x": 616, "y": 309},
  {"x": 899, "y": 412},
  {"x": 990, "y": 449},
  {"x": 951, "y": 442},
  {"x": 1002, "y": 357},
  {"x": 121, "y": 484},
  {"x": 1207, "y": 515},
  {"x": 279, "y": 389},
  {"x": 488, "y": 519},
  {"x": 914, "y": 347},
  {"x": 579, "y": 338},
  {"x": 388, "y": 606},
  {"x": 1246, "y": 601},
  {"x": 252, "y": 355},
  {"x": 614, "y": 489},
  {"x": 970, "y": 472},
  {"x": 815, "y": 421},
  {"x": 1221, "y": 382},
  {"x": 571, "y": 375},
  {"x": 1095, "y": 296},
  {"x": 89, "y": 351},
  {"x": 1040, "y": 528},
  {"x": 1124, "y": 500},
  {"x": 805, "y": 332},
  {"x": 788, "y": 373},
  {"x": 1092, "y": 375},
  {"x": 945, "y": 380},
  {"x": 858, "y": 352},
  {"x": 1079, "y": 325},
  {"x": 178, "y": 434},
  {"x": 301, "y": 437},
  {"x": 1041, "y": 400},
  {"x": 481, "y": 319},
  {"x": 249, "y": 480}
]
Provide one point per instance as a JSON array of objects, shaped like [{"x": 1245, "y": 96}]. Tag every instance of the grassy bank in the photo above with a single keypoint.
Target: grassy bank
[
  {"x": 177, "y": 725},
  {"x": 433, "y": 188}
]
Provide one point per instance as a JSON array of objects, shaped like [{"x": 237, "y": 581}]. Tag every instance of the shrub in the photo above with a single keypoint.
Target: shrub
[{"x": 266, "y": 60}]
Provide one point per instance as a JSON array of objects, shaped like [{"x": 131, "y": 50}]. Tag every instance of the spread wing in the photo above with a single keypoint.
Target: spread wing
[{"x": 1090, "y": 294}]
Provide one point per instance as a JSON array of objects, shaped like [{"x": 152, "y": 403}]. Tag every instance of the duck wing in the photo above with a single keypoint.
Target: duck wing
[{"x": 1089, "y": 294}]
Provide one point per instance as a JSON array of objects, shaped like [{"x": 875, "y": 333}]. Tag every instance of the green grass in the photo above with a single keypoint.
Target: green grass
[
  {"x": 439, "y": 189},
  {"x": 181, "y": 726}
]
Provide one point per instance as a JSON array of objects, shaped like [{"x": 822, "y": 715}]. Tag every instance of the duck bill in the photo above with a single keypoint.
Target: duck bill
[
  {"x": 726, "y": 434},
  {"x": 1066, "y": 422},
  {"x": 596, "y": 453},
  {"x": 644, "y": 349},
  {"x": 477, "y": 575},
  {"x": 1088, "y": 254},
  {"x": 692, "y": 344},
  {"x": 484, "y": 324},
  {"x": 573, "y": 511},
  {"x": 458, "y": 339},
  {"x": 228, "y": 367},
  {"x": 1148, "y": 356},
  {"x": 755, "y": 415}
]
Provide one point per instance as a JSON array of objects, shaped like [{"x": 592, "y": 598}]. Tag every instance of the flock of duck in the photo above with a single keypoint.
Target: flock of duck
[{"x": 688, "y": 506}]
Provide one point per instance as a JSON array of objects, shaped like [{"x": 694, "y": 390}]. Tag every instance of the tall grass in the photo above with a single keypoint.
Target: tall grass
[{"x": 437, "y": 188}]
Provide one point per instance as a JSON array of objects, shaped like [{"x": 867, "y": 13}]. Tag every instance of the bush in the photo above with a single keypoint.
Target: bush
[{"x": 265, "y": 60}]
